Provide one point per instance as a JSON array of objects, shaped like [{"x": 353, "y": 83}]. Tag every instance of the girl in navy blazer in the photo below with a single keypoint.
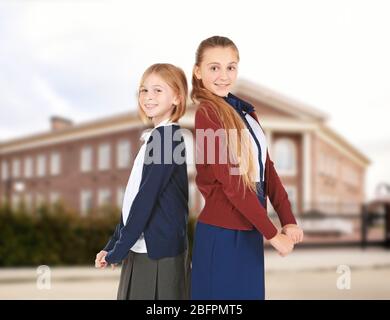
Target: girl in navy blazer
[
  {"x": 228, "y": 254},
  {"x": 151, "y": 237}
]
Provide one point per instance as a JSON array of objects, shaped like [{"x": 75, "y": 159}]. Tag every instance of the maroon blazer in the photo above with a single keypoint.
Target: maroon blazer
[{"x": 225, "y": 203}]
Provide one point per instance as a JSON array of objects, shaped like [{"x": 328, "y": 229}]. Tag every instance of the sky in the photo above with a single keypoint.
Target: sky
[{"x": 83, "y": 59}]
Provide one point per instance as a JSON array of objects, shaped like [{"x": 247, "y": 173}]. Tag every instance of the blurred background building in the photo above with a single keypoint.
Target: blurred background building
[
  {"x": 87, "y": 165},
  {"x": 74, "y": 62}
]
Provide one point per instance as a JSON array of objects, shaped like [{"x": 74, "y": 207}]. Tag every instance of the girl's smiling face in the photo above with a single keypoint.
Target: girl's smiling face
[
  {"x": 156, "y": 98},
  {"x": 218, "y": 70}
]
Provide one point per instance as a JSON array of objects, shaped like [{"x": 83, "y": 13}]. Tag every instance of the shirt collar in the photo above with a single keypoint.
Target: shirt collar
[
  {"x": 146, "y": 133},
  {"x": 166, "y": 122},
  {"x": 238, "y": 104}
]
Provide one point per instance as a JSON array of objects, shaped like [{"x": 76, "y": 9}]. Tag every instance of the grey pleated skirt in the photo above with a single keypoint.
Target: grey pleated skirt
[{"x": 143, "y": 278}]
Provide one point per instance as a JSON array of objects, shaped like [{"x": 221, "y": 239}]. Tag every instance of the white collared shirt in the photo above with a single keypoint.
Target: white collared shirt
[
  {"x": 134, "y": 182},
  {"x": 263, "y": 145}
]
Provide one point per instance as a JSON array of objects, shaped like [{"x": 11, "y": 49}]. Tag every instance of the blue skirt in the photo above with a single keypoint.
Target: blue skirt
[{"x": 227, "y": 264}]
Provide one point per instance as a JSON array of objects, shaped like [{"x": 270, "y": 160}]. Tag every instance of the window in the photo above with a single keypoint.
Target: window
[
  {"x": 41, "y": 165},
  {"x": 321, "y": 163},
  {"x": 328, "y": 165},
  {"x": 285, "y": 156},
  {"x": 332, "y": 166},
  {"x": 119, "y": 197},
  {"x": 328, "y": 203},
  {"x": 4, "y": 170},
  {"x": 292, "y": 197},
  {"x": 85, "y": 202},
  {"x": 104, "y": 197},
  {"x": 350, "y": 176},
  {"x": 55, "y": 163},
  {"x": 15, "y": 202},
  {"x": 28, "y": 201},
  {"x": 349, "y": 206},
  {"x": 86, "y": 159},
  {"x": 16, "y": 168},
  {"x": 54, "y": 197},
  {"x": 28, "y": 167},
  {"x": 104, "y": 156},
  {"x": 123, "y": 154}
]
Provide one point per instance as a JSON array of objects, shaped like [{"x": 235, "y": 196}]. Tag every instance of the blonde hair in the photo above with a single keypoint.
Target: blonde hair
[
  {"x": 176, "y": 79},
  {"x": 228, "y": 116}
]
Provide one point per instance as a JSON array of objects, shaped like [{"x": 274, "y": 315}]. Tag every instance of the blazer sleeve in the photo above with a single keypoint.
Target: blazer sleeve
[
  {"x": 115, "y": 236},
  {"x": 276, "y": 192},
  {"x": 278, "y": 196},
  {"x": 155, "y": 177},
  {"x": 248, "y": 205}
]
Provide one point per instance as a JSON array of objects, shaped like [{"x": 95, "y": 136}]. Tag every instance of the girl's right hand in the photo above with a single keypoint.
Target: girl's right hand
[
  {"x": 283, "y": 244},
  {"x": 98, "y": 261}
]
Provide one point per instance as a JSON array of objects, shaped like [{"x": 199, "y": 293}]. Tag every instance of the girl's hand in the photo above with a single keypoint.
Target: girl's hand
[
  {"x": 294, "y": 232},
  {"x": 104, "y": 263},
  {"x": 283, "y": 244},
  {"x": 100, "y": 261}
]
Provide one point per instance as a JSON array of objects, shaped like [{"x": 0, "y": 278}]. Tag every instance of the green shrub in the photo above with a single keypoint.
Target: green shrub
[{"x": 54, "y": 236}]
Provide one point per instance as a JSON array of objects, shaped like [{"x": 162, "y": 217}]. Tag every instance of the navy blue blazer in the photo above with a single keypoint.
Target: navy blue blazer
[{"x": 160, "y": 208}]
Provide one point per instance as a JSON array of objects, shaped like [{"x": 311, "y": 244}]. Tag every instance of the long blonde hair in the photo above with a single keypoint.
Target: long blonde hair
[
  {"x": 176, "y": 79},
  {"x": 241, "y": 149}
]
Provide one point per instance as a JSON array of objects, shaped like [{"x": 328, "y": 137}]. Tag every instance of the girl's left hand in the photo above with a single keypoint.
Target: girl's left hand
[
  {"x": 98, "y": 260},
  {"x": 294, "y": 232},
  {"x": 104, "y": 263}
]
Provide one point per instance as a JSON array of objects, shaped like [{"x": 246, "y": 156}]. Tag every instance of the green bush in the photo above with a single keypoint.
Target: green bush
[{"x": 53, "y": 236}]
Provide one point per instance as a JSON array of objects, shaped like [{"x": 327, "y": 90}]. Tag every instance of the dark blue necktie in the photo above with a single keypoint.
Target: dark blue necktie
[{"x": 242, "y": 109}]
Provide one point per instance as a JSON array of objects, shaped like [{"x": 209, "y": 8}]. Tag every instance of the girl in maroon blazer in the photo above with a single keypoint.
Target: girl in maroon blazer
[{"x": 235, "y": 176}]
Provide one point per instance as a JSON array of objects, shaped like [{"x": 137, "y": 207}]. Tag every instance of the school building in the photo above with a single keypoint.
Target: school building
[{"x": 87, "y": 165}]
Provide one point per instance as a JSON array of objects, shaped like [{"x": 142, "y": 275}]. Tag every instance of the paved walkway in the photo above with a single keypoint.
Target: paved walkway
[
  {"x": 305, "y": 274},
  {"x": 327, "y": 259},
  {"x": 299, "y": 260}
]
